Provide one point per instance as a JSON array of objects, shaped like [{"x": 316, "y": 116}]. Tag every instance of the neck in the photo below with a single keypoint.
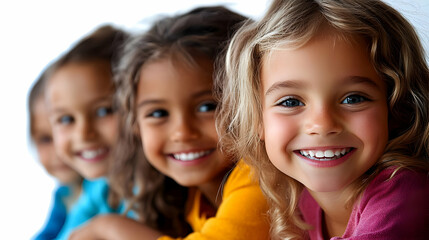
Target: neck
[
  {"x": 336, "y": 213},
  {"x": 212, "y": 189},
  {"x": 76, "y": 190}
]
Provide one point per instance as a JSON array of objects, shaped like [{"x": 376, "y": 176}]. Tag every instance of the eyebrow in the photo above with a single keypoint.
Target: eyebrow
[
  {"x": 158, "y": 101},
  {"x": 103, "y": 99},
  {"x": 62, "y": 109},
  {"x": 149, "y": 101},
  {"x": 285, "y": 84},
  {"x": 360, "y": 79},
  {"x": 297, "y": 84}
]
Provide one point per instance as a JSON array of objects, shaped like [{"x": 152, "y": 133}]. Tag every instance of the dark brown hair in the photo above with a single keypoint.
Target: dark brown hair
[
  {"x": 36, "y": 92},
  {"x": 104, "y": 43},
  {"x": 203, "y": 32}
]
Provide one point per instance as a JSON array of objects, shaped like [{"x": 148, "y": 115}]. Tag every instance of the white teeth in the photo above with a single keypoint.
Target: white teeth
[
  {"x": 325, "y": 155},
  {"x": 337, "y": 153},
  {"x": 320, "y": 154},
  {"x": 329, "y": 153},
  {"x": 190, "y": 156},
  {"x": 88, "y": 154}
]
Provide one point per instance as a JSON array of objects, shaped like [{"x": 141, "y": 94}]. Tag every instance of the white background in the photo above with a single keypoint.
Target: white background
[{"x": 33, "y": 33}]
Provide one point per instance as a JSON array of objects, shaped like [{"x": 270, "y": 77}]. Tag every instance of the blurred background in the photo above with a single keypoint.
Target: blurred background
[{"x": 32, "y": 34}]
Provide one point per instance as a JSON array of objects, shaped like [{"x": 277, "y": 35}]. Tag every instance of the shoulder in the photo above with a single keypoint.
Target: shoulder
[
  {"x": 242, "y": 213},
  {"x": 242, "y": 191},
  {"x": 400, "y": 176},
  {"x": 240, "y": 176},
  {"x": 395, "y": 205},
  {"x": 392, "y": 185},
  {"x": 62, "y": 192}
]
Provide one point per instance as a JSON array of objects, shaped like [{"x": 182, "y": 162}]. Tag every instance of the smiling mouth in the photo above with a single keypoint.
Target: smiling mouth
[
  {"x": 190, "y": 156},
  {"x": 92, "y": 154},
  {"x": 325, "y": 155}
]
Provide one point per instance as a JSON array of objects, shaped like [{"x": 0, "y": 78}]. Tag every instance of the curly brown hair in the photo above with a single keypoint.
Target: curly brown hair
[{"x": 157, "y": 199}]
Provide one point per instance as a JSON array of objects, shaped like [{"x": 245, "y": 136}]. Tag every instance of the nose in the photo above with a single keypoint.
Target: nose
[
  {"x": 323, "y": 121},
  {"x": 86, "y": 129},
  {"x": 184, "y": 129}
]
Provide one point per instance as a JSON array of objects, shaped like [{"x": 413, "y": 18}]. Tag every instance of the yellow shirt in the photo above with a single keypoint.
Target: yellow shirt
[{"x": 242, "y": 215}]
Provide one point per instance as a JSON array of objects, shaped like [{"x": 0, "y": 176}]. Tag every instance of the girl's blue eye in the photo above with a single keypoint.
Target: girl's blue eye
[
  {"x": 291, "y": 102},
  {"x": 66, "y": 119},
  {"x": 104, "y": 111},
  {"x": 354, "y": 99},
  {"x": 207, "y": 107},
  {"x": 158, "y": 114}
]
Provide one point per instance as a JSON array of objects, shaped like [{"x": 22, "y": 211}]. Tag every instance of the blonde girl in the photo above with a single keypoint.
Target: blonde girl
[
  {"x": 169, "y": 163},
  {"x": 328, "y": 103}
]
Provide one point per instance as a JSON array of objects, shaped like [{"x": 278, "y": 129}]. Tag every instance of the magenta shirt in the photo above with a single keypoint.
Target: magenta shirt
[{"x": 389, "y": 209}]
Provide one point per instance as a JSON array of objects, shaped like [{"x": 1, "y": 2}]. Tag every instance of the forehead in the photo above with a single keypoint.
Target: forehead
[
  {"x": 295, "y": 41},
  {"x": 74, "y": 72},
  {"x": 324, "y": 58},
  {"x": 171, "y": 72},
  {"x": 77, "y": 81},
  {"x": 319, "y": 51}
]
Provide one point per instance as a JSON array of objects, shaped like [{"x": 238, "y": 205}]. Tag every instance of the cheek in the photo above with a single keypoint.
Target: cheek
[
  {"x": 278, "y": 130},
  {"x": 209, "y": 128},
  {"x": 372, "y": 129},
  {"x": 45, "y": 153},
  {"x": 61, "y": 137},
  {"x": 111, "y": 131},
  {"x": 151, "y": 142}
]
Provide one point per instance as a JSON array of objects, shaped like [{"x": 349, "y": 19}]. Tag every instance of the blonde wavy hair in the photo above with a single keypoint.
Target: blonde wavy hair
[{"x": 395, "y": 52}]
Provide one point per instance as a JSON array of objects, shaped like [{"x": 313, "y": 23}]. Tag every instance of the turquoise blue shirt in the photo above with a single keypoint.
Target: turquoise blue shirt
[
  {"x": 58, "y": 215},
  {"x": 91, "y": 202}
]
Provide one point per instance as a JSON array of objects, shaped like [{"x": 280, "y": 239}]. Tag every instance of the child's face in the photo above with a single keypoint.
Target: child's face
[
  {"x": 42, "y": 136},
  {"x": 84, "y": 125},
  {"x": 175, "y": 115},
  {"x": 324, "y": 112}
]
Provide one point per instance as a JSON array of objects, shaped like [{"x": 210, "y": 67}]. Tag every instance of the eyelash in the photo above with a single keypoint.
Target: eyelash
[
  {"x": 361, "y": 99},
  {"x": 100, "y": 112},
  {"x": 158, "y": 113},
  {"x": 283, "y": 102},
  {"x": 204, "y": 107},
  {"x": 104, "y": 111},
  {"x": 208, "y": 107},
  {"x": 292, "y": 102},
  {"x": 65, "y": 120}
]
